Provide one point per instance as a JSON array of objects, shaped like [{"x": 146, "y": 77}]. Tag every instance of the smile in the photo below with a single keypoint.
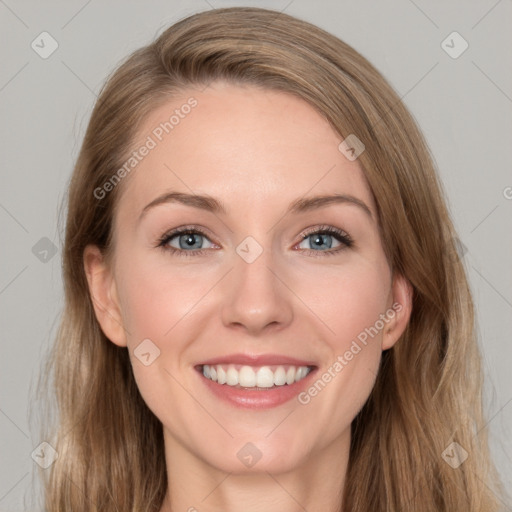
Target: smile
[
  {"x": 256, "y": 382},
  {"x": 262, "y": 377}
]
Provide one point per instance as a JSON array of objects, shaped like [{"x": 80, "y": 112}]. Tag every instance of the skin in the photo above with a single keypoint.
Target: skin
[{"x": 256, "y": 151}]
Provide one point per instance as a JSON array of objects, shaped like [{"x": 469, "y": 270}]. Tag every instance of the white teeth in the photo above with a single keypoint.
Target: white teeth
[
  {"x": 290, "y": 375},
  {"x": 265, "y": 377},
  {"x": 301, "y": 372},
  {"x": 246, "y": 377},
  {"x": 280, "y": 377},
  {"x": 231, "y": 377},
  {"x": 221, "y": 375},
  {"x": 250, "y": 377}
]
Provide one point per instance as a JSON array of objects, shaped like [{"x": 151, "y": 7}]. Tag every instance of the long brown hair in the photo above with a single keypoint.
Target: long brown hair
[{"x": 428, "y": 391}]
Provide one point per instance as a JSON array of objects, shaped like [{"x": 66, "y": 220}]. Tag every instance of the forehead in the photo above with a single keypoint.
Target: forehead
[{"x": 242, "y": 144}]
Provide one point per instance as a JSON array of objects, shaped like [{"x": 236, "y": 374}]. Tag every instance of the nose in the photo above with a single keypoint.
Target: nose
[{"x": 257, "y": 298}]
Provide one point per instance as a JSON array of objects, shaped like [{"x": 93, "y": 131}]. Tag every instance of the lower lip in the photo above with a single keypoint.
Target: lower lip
[{"x": 252, "y": 398}]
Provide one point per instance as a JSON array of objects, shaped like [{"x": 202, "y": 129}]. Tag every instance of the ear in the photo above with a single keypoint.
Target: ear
[
  {"x": 399, "y": 311},
  {"x": 104, "y": 296}
]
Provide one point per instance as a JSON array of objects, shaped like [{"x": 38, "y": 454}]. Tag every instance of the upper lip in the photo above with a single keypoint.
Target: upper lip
[{"x": 257, "y": 360}]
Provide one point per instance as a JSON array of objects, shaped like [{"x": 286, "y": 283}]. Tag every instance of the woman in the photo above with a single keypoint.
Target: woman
[{"x": 264, "y": 304}]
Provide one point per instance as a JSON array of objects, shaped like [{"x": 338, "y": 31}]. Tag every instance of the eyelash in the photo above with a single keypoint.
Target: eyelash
[{"x": 340, "y": 235}]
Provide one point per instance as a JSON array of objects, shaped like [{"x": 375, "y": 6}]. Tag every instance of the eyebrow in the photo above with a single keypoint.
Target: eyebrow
[{"x": 212, "y": 205}]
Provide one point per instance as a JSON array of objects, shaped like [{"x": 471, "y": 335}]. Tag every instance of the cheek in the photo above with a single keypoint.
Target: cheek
[
  {"x": 156, "y": 296},
  {"x": 350, "y": 305},
  {"x": 157, "y": 301},
  {"x": 347, "y": 299}
]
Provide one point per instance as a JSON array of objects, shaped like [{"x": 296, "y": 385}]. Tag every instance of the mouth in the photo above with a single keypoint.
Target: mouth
[
  {"x": 246, "y": 384},
  {"x": 258, "y": 378}
]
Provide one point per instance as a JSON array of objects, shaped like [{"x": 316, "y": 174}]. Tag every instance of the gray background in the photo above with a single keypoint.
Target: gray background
[{"x": 463, "y": 105}]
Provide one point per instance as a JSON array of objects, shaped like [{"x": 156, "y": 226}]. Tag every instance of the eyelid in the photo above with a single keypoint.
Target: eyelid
[
  {"x": 323, "y": 228},
  {"x": 186, "y": 229},
  {"x": 346, "y": 241},
  {"x": 162, "y": 242},
  {"x": 344, "y": 238}
]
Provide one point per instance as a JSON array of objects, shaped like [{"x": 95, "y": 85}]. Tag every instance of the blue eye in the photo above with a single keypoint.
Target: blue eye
[
  {"x": 188, "y": 241},
  {"x": 186, "y": 238},
  {"x": 322, "y": 238}
]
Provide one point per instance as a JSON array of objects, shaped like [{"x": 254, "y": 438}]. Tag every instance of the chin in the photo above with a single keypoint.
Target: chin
[{"x": 252, "y": 454}]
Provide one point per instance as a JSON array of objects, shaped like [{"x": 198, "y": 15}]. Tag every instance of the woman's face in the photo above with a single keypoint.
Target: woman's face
[{"x": 271, "y": 281}]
